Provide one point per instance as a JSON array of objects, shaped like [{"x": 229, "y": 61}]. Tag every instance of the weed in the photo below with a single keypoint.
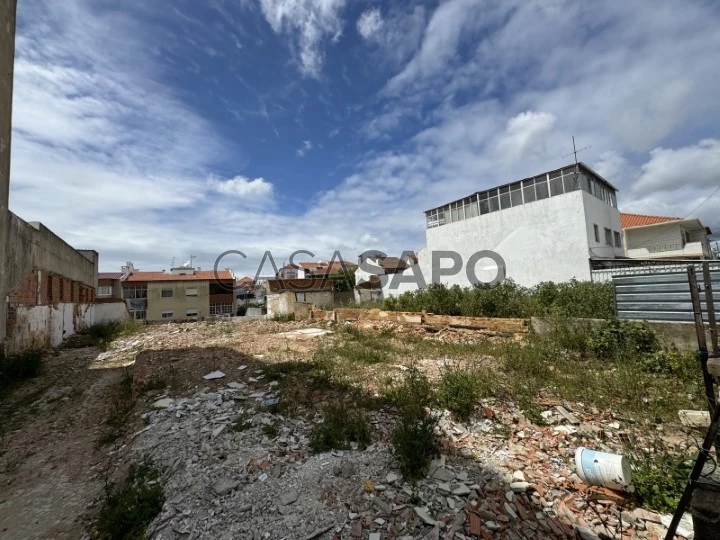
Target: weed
[
  {"x": 340, "y": 427},
  {"x": 618, "y": 338},
  {"x": 414, "y": 440},
  {"x": 127, "y": 513},
  {"x": 18, "y": 367},
  {"x": 242, "y": 422},
  {"x": 102, "y": 334},
  {"x": 270, "y": 430},
  {"x": 659, "y": 477},
  {"x": 460, "y": 389},
  {"x": 283, "y": 317},
  {"x": 120, "y": 414}
]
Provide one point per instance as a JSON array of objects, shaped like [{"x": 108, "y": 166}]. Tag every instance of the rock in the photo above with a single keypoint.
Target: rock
[
  {"x": 492, "y": 526},
  {"x": 374, "y": 536},
  {"x": 163, "y": 403},
  {"x": 519, "y": 487},
  {"x": 444, "y": 487},
  {"x": 218, "y": 430},
  {"x": 443, "y": 475},
  {"x": 586, "y": 534},
  {"x": 519, "y": 476},
  {"x": 510, "y": 495},
  {"x": 224, "y": 486},
  {"x": 461, "y": 490},
  {"x": 214, "y": 375},
  {"x": 288, "y": 497},
  {"x": 391, "y": 478},
  {"x": 424, "y": 515}
]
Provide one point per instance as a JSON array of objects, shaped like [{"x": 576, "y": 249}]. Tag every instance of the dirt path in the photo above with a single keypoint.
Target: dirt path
[{"x": 50, "y": 467}]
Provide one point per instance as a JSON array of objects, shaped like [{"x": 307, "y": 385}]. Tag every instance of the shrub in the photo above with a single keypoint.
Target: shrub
[
  {"x": 659, "y": 477},
  {"x": 283, "y": 317},
  {"x": 622, "y": 338},
  {"x": 413, "y": 439},
  {"x": 339, "y": 428},
  {"x": 129, "y": 511},
  {"x": 21, "y": 366},
  {"x": 460, "y": 390}
]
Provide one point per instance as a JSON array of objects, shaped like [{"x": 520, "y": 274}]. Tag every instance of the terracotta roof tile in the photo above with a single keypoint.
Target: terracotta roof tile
[
  {"x": 110, "y": 275},
  {"x": 638, "y": 220},
  {"x": 202, "y": 275},
  {"x": 300, "y": 285}
]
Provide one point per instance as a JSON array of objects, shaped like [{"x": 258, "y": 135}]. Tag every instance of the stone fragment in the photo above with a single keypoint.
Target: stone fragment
[
  {"x": 289, "y": 497},
  {"x": 443, "y": 475},
  {"x": 163, "y": 403},
  {"x": 225, "y": 486},
  {"x": 492, "y": 526},
  {"x": 374, "y": 536},
  {"x": 519, "y": 476},
  {"x": 424, "y": 515},
  {"x": 391, "y": 478},
  {"x": 519, "y": 487},
  {"x": 461, "y": 490},
  {"x": 214, "y": 375}
]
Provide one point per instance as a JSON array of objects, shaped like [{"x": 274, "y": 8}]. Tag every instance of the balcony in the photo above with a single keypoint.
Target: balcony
[{"x": 690, "y": 250}]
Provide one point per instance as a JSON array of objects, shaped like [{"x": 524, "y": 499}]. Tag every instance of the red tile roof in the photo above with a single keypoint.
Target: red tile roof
[
  {"x": 245, "y": 280},
  {"x": 300, "y": 285},
  {"x": 110, "y": 275},
  {"x": 202, "y": 275},
  {"x": 638, "y": 220}
]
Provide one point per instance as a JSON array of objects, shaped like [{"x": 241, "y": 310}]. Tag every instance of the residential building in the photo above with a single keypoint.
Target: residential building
[
  {"x": 181, "y": 294},
  {"x": 545, "y": 228},
  {"x": 325, "y": 268},
  {"x": 368, "y": 285},
  {"x": 664, "y": 237},
  {"x": 297, "y": 296}
]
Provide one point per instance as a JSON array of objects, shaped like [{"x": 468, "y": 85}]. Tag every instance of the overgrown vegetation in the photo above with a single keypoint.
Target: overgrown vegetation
[
  {"x": 18, "y": 367},
  {"x": 341, "y": 426},
  {"x": 129, "y": 510},
  {"x": 570, "y": 299},
  {"x": 459, "y": 390},
  {"x": 659, "y": 476},
  {"x": 102, "y": 334},
  {"x": 283, "y": 317},
  {"x": 413, "y": 439},
  {"x": 120, "y": 411}
]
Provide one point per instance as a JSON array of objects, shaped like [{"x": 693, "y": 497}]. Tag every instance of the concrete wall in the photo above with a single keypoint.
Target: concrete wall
[
  {"x": 39, "y": 327},
  {"x": 604, "y": 216},
  {"x": 7, "y": 63},
  {"x": 179, "y": 303},
  {"x": 547, "y": 240}
]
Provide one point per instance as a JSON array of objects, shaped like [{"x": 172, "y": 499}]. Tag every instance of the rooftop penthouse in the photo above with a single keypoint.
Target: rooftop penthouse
[{"x": 526, "y": 191}]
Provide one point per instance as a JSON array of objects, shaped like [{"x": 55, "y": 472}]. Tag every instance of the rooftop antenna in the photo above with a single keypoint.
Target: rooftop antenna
[
  {"x": 191, "y": 260},
  {"x": 575, "y": 152},
  {"x": 173, "y": 263}
]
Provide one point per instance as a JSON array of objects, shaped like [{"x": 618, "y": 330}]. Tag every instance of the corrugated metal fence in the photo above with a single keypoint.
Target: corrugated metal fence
[{"x": 662, "y": 296}]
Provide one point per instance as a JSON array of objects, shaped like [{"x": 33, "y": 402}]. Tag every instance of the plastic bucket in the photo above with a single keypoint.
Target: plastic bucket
[{"x": 602, "y": 469}]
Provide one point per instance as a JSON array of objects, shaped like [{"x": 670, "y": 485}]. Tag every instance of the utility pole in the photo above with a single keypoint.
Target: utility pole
[{"x": 8, "y": 9}]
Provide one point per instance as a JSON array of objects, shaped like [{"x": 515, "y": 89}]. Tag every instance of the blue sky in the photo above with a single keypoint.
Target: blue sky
[{"x": 153, "y": 130}]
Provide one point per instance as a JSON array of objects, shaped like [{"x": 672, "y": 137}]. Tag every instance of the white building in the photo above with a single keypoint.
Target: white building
[
  {"x": 662, "y": 237},
  {"x": 545, "y": 228}
]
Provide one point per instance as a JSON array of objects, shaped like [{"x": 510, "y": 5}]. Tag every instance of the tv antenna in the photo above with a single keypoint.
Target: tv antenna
[
  {"x": 576, "y": 150},
  {"x": 173, "y": 263}
]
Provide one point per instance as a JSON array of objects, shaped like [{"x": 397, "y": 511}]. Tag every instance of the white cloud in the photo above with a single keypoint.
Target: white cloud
[
  {"x": 370, "y": 23},
  {"x": 256, "y": 190},
  {"x": 525, "y": 135},
  {"x": 304, "y": 149},
  {"x": 310, "y": 22},
  {"x": 696, "y": 166}
]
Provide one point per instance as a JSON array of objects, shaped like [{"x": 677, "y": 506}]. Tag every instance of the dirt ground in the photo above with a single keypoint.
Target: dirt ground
[{"x": 50, "y": 468}]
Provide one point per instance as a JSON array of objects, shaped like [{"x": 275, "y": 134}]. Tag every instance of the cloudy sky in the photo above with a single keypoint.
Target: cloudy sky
[{"x": 155, "y": 130}]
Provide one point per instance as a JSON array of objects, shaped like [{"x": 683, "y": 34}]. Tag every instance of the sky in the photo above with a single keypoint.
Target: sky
[{"x": 153, "y": 131}]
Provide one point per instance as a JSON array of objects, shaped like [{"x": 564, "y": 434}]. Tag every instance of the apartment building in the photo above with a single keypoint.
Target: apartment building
[{"x": 181, "y": 294}]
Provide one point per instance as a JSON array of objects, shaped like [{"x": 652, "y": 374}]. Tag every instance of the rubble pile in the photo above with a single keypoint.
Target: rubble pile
[{"x": 237, "y": 469}]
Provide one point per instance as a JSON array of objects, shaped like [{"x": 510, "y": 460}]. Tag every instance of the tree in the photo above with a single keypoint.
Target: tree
[{"x": 343, "y": 280}]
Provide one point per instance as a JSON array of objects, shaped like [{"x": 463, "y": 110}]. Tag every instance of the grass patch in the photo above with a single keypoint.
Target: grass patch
[
  {"x": 18, "y": 367},
  {"x": 128, "y": 512},
  {"x": 414, "y": 442},
  {"x": 242, "y": 422},
  {"x": 123, "y": 403},
  {"x": 283, "y": 317},
  {"x": 341, "y": 426},
  {"x": 460, "y": 389},
  {"x": 102, "y": 334}
]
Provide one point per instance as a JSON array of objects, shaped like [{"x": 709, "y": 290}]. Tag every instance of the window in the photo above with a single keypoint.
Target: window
[
  {"x": 618, "y": 242},
  {"x": 166, "y": 293},
  {"x": 529, "y": 190},
  {"x": 516, "y": 194},
  {"x": 139, "y": 315},
  {"x": 104, "y": 292},
  {"x": 135, "y": 292},
  {"x": 167, "y": 314},
  {"x": 608, "y": 237},
  {"x": 541, "y": 188},
  {"x": 191, "y": 292},
  {"x": 597, "y": 233},
  {"x": 556, "y": 184},
  {"x": 299, "y": 296},
  {"x": 223, "y": 308},
  {"x": 191, "y": 313}
]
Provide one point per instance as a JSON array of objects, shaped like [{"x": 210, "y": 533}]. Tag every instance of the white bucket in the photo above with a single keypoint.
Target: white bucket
[{"x": 602, "y": 469}]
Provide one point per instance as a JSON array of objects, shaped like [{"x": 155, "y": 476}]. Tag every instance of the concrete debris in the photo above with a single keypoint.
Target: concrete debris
[
  {"x": 289, "y": 497},
  {"x": 163, "y": 403},
  {"x": 214, "y": 375},
  {"x": 695, "y": 419}
]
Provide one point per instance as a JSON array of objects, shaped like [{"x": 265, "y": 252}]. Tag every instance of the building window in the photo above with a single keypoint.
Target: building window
[
  {"x": 191, "y": 313},
  {"x": 166, "y": 293},
  {"x": 618, "y": 242},
  {"x": 104, "y": 292},
  {"x": 222, "y": 308},
  {"x": 608, "y": 237},
  {"x": 167, "y": 314},
  {"x": 299, "y": 296},
  {"x": 597, "y": 233},
  {"x": 191, "y": 292},
  {"x": 135, "y": 292},
  {"x": 140, "y": 315}
]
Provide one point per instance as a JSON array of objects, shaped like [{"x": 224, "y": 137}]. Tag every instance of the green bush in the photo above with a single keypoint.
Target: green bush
[
  {"x": 21, "y": 366},
  {"x": 339, "y": 428},
  {"x": 570, "y": 299},
  {"x": 283, "y": 317},
  {"x": 672, "y": 362},
  {"x": 622, "y": 338},
  {"x": 460, "y": 390},
  {"x": 413, "y": 439},
  {"x": 659, "y": 477},
  {"x": 129, "y": 511}
]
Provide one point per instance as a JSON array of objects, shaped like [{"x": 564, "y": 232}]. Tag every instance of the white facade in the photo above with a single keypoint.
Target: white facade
[{"x": 680, "y": 239}]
